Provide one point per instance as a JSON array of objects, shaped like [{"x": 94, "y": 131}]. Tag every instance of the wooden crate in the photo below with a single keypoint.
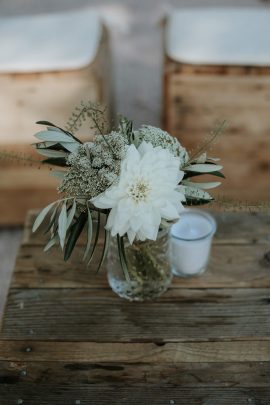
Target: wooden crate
[
  {"x": 51, "y": 95},
  {"x": 199, "y": 92},
  {"x": 68, "y": 339}
]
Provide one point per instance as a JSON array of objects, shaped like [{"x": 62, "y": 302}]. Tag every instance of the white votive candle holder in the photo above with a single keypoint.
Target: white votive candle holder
[{"x": 190, "y": 242}]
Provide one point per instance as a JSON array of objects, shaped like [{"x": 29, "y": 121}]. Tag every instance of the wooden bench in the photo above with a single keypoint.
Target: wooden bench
[
  {"x": 68, "y": 339},
  {"x": 53, "y": 63},
  {"x": 217, "y": 67}
]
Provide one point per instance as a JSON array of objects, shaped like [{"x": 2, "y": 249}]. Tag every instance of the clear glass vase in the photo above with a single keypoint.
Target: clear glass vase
[{"x": 148, "y": 268}]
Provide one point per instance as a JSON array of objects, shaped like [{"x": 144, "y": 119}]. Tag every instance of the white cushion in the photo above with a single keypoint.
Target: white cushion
[
  {"x": 219, "y": 36},
  {"x": 40, "y": 43}
]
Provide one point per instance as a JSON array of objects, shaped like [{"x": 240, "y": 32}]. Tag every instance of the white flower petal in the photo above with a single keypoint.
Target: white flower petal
[{"x": 147, "y": 192}]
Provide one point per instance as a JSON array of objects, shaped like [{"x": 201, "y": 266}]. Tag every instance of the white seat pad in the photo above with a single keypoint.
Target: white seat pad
[
  {"x": 50, "y": 42},
  {"x": 218, "y": 36}
]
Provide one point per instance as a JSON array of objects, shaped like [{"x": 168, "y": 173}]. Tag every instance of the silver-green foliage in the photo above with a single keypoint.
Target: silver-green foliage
[{"x": 90, "y": 168}]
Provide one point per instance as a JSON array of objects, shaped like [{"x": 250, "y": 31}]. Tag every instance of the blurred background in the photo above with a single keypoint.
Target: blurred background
[
  {"x": 136, "y": 41},
  {"x": 131, "y": 65}
]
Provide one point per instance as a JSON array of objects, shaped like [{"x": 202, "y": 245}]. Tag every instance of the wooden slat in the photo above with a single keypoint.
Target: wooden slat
[
  {"x": 99, "y": 315},
  {"x": 244, "y": 266},
  {"x": 211, "y": 98},
  {"x": 45, "y": 394},
  {"x": 247, "y": 374},
  {"x": 233, "y": 227},
  {"x": 68, "y": 339},
  {"x": 156, "y": 353},
  {"x": 28, "y": 98},
  {"x": 201, "y": 69}
]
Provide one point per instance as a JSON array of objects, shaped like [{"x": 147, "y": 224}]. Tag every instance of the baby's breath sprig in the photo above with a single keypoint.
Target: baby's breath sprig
[{"x": 95, "y": 113}]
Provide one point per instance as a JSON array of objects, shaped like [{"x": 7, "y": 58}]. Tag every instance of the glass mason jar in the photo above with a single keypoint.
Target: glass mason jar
[{"x": 148, "y": 267}]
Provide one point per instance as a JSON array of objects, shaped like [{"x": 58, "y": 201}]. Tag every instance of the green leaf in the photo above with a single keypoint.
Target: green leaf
[
  {"x": 55, "y": 162},
  {"x": 40, "y": 218},
  {"x": 122, "y": 256},
  {"x": 89, "y": 234},
  {"x": 212, "y": 159},
  {"x": 55, "y": 129},
  {"x": 44, "y": 122},
  {"x": 75, "y": 231},
  {"x": 52, "y": 219},
  {"x": 203, "y": 186},
  {"x": 70, "y": 146},
  {"x": 202, "y": 158},
  {"x": 52, "y": 153},
  {"x": 188, "y": 175},
  {"x": 62, "y": 225},
  {"x": 58, "y": 174},
  {"x": 196, "y": 201},
  {"x": 54, "y": 146},
  {"x": 218, "y": 174},
  {"x": 44, "y": 145},
  {"x": 203, "y": 168},
  {"x": 105, "y": 248},
  {"x": 196, "y": 193},
  {"x": 71, "y": 214},
  {"x": 96, "y": 240},
  {"x": 51, "y": 243},
  {"x": 47, "y": 123},
  {"x": 54, "y": 136}
]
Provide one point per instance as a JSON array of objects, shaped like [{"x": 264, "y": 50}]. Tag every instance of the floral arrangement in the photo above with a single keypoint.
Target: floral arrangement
[{"x": 127, "y": 183}]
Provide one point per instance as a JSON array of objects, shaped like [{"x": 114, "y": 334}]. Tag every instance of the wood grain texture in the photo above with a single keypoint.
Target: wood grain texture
[
  {"x": 132, "y": 352},
  {"x": 113, "y": 395},
  {"x": 246, "y": 266},
  {"x": 192, "y": 375},
  {"x": 68, "y": 339},
  {"x": 179, "y": 315},
  {"x": 229, "y": 267},
  {"x": 9, "y": 245},
  {"x": 232, "y": 228},
  {"x": 213, "y": 94}
]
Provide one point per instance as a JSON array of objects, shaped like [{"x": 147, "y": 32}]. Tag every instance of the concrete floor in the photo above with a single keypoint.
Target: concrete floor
[{"x": 136, "y": 33}]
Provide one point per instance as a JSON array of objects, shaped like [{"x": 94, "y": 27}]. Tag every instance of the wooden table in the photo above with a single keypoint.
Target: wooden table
[{"x": 68, "y": 339}]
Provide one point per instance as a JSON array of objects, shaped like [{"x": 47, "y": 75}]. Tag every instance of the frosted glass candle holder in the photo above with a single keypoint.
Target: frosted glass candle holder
[{"x": 190, "y": 242}]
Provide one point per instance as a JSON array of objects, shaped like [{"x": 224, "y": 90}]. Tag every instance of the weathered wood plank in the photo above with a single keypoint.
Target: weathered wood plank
[
  {"x": 245, "y": 266},
  {"x": 233, "y": 227},
  {"x": 248, "y": 374},
  {"x": 214, "y": 97},
  {"x": 197, "y": 344},
  {"x": 46, "y": 394},
  {"x": 99, "y": 315},
  {"x": 195, "y": 69},
  {"x": 146, "y": 353}
]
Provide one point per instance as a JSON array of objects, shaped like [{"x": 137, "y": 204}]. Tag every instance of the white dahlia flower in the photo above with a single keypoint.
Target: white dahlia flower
[{"x": 147, "y": 191}]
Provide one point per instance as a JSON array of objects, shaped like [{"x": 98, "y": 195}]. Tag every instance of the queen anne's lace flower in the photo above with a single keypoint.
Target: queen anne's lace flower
[
  {"x": 94, "y": 166},
  {"x": 147, "y": 191}
]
